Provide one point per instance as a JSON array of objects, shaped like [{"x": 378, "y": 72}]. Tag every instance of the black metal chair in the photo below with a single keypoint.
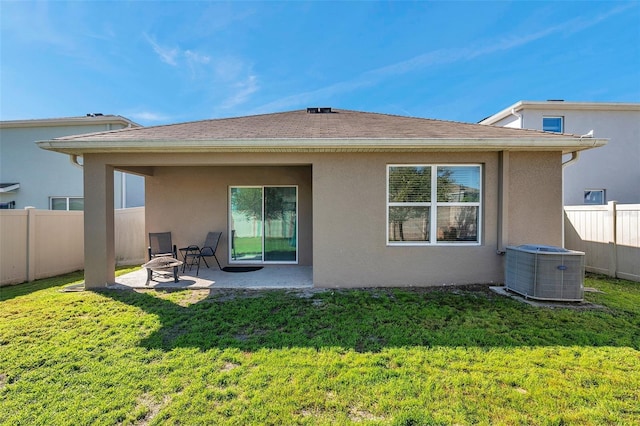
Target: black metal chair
[
  {"x": 193, "y": 254},
  {"x": 160, "y": 245},
  {"x": 162, "y": 248}
]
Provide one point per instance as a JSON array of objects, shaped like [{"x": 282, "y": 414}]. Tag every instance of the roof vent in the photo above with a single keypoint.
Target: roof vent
[
  {"x": 555, "y": 100},
  {"x": 319, "y": 110}
]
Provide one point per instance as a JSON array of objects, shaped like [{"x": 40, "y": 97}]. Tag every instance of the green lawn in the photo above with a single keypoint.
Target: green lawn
[{"x": 387, "y": 356}]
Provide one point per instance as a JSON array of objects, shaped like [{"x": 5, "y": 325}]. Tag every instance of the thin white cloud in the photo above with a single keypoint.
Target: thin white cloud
[
  {"x": 148, "y": 116},
  {"x": 167, "y": 55},
  {"x": 195, "y": 57},
  {"x": 228, "y": 75},
  {"x": 437, "y": 57},
  {"x": 243, "y": 90}
]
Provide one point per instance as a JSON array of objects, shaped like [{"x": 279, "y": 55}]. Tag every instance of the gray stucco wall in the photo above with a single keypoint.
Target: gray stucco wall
[
  {"x": 614, "y": 167},
  {"x": 43, "y": 174},
  {"x": 342, "y": 211}
]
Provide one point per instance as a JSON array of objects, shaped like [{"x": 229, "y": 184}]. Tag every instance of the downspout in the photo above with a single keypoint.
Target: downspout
[
  {"x": 513, "y": 112},
  {"x": 574, "y": 158},
  {"x": 503, "y": 202}
]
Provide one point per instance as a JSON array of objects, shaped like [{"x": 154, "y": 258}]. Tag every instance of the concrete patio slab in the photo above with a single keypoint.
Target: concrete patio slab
[{"x": 269, "y": 277}]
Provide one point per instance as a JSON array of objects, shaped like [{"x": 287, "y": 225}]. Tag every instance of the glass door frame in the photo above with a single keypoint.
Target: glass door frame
[{"x": 263, "y": 233}]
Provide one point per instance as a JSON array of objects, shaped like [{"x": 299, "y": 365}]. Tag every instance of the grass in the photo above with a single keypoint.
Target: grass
[
  {"x": 385, "y": 356},
  {"x": 253, "y": 245}
]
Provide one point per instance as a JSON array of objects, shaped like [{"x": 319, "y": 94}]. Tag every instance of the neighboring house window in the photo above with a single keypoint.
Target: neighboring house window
[
  {"x": 553, "y": 124},
  {"x": 594, "y": 196},
  {"x": 433, "y": 204},
  {"x": 66, "y": 203}
]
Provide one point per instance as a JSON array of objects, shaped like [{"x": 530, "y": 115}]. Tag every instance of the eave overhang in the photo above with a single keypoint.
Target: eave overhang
[
  {"x": 9, "y": 187},
  {"x": 80, "y": 147},
  {"x": 558, "y": 106}
]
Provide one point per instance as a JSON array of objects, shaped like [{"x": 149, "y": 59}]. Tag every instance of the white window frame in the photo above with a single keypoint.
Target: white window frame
[
  {"x": 232, "y": 261},
  {"x": 604, "y": 197},
  {"x": 433, "y": 207},
  {"x": 561, "y": 118},
  {"x": 67, "y": 201}
]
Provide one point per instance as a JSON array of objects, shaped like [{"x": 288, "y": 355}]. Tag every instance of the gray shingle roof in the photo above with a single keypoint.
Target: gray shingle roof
[
  {"x": 339, "y": 124},
  {"x": 300, "y": 131}
]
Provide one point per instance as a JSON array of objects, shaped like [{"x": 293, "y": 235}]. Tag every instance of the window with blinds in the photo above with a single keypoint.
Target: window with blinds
[{"x": 433, "y": 204}]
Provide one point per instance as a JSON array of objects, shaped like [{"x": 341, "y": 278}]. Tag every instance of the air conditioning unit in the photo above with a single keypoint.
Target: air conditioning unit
[{"x": 545, "y": 272}]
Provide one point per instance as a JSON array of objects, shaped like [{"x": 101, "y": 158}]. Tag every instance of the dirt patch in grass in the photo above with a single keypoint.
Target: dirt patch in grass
[
  {"x": 226, "y": 295},
  {"x": 147, "y": 403}
]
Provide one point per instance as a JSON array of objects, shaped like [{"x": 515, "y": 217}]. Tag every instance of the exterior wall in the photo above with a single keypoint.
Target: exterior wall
[
  {"x": 191, "y": 201},
  {"x": 342, "y": 211},
  {"x": 535, "y": 198},
  {"x": 613, "y": 167},
  {"x": 43, "y": 174},
  {"x": 513, "y": 121},
  {"x": 350, "y": 247}
]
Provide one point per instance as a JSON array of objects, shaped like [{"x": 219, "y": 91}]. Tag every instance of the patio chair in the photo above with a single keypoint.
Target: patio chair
[
  {"x": 160, "y": 245},
  {"x": 193, "y": 254}
]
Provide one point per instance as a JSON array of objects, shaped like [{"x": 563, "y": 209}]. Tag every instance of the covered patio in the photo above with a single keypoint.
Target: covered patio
[{"x": 269, "y": 277}]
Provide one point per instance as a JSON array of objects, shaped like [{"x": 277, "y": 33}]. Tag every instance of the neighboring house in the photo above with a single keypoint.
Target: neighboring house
[
  {"x": 608, "y": 174},
  {"x": 32, "y": 177},
  {"x": 366, "y": 199}
]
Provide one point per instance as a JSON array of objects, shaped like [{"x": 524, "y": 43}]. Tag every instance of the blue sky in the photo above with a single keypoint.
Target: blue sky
[{"x": 165, "y": 62}]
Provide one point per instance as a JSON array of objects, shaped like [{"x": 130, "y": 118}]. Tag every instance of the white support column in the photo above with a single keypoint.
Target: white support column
[{"x": 99, "y": 240}]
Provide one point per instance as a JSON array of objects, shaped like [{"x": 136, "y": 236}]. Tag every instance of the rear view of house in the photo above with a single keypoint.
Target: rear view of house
[{"x": 365, "y": 199}]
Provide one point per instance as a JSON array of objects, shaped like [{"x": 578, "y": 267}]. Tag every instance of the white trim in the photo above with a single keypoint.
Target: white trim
[
  {"x": 67, "y": 201},
  {"x": 70, "y": 121},
  {"x": 433, "y": 207},
  {"x": 557, "y": 142},
  {"x": 11, "y": 187},
  {"x": 560, "y": 117},
  {"x": 601, "y": 190},
  {"x": 559, "y": 105}
]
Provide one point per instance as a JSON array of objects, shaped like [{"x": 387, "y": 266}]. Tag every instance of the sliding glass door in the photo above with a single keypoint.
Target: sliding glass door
[{"x": 263, "y": 224}]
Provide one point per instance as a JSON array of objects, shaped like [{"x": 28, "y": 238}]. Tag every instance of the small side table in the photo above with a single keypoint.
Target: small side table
[{"x": 191, "y": 256}]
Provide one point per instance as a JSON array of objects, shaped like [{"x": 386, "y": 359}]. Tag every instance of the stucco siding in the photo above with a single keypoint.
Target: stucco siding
[
  {"x": 350, "y": 227},
  {"x": 342, "y": 210},
  {"x": 613, "y": 167},
  {"x": 535, "y": 198},
  {"x": 191, "y": 201},
  {"x": 44, "y": 174}
]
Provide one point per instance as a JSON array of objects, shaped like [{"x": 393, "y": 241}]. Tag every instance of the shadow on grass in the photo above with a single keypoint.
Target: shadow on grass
[
  {"x": 17, "y": 290},
  {"x": 372, "y": 319}
]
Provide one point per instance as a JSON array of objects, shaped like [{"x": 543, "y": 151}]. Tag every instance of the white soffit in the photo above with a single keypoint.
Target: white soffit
[
  {"x": 8, "y": 187},
  {"x": 79, "y": 147}
]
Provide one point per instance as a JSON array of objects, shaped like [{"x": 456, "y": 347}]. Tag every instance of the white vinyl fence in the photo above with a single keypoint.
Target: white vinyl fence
[
  {"x": 608, "y": 235},
  {"x": 37, "y": 244}
]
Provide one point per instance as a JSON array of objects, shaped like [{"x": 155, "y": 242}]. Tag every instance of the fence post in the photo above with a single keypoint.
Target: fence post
[
  {"x": 31, "y": 243},
  {"x": 613, "y": 243}
]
